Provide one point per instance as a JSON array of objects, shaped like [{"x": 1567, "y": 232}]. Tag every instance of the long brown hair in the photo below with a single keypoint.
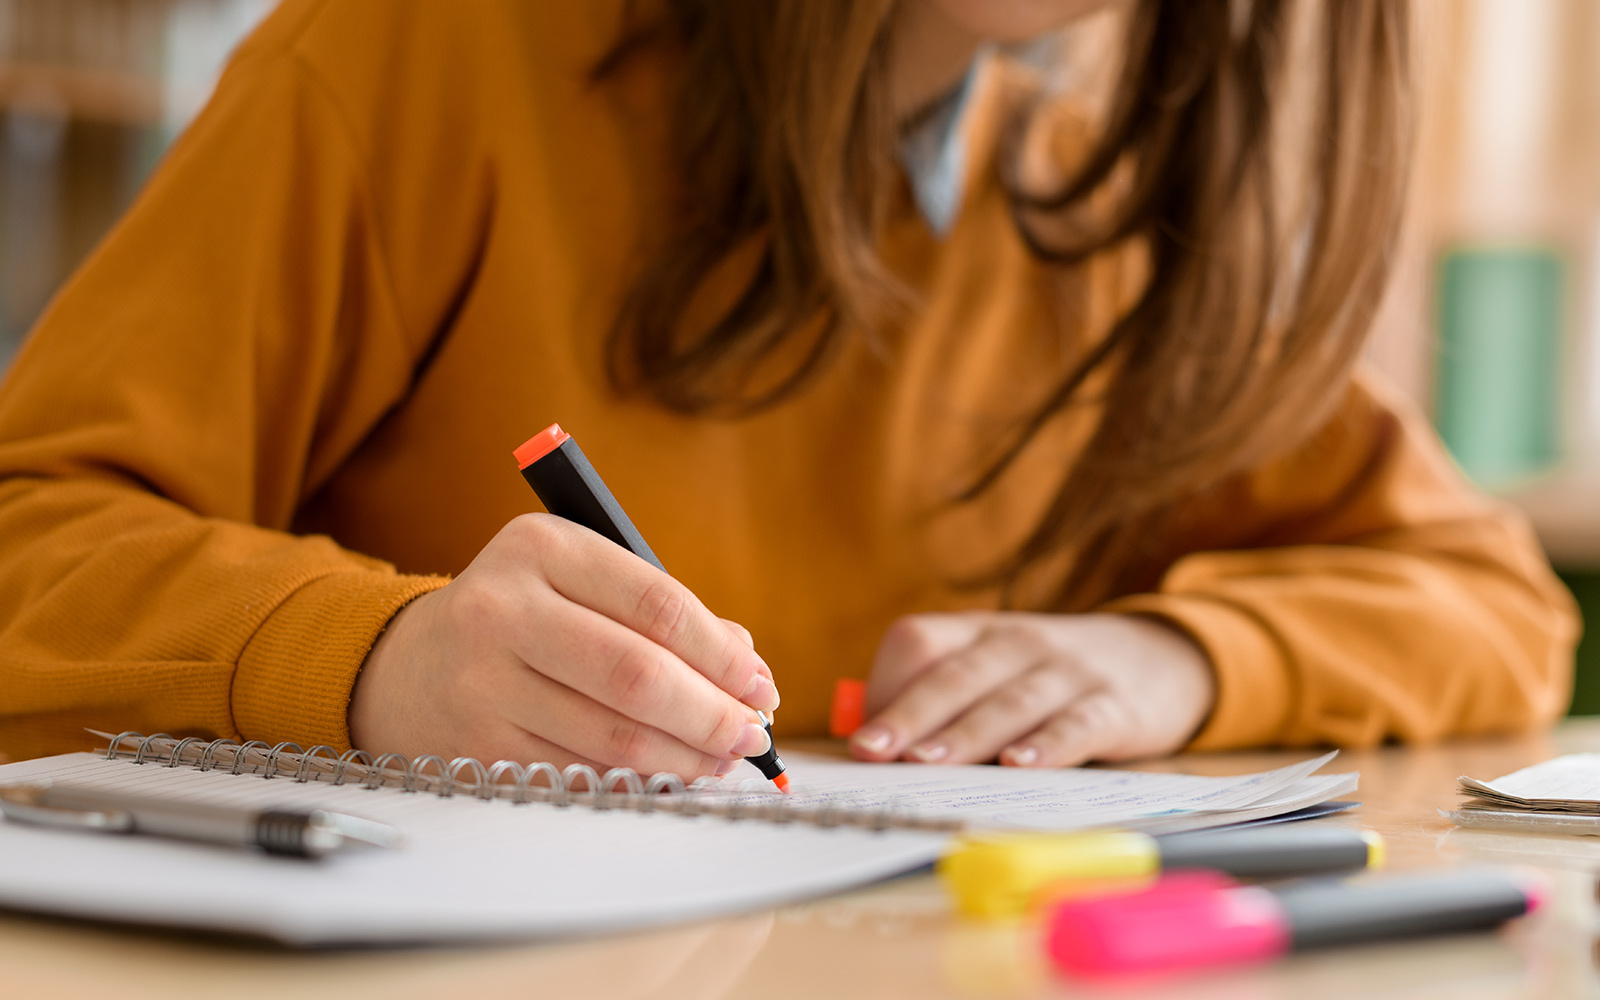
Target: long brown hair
[{"x": 1242, "y": 339}]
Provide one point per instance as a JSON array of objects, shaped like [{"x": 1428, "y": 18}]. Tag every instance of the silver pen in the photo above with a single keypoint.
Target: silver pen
[{"x": 309, "y": 834}]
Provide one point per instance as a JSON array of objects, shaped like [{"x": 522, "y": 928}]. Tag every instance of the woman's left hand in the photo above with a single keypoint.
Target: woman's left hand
[{"x": 1034, "y": 690}]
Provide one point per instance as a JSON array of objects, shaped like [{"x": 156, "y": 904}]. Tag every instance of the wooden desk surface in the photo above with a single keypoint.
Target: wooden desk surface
[{"x": 898, "y": 939}]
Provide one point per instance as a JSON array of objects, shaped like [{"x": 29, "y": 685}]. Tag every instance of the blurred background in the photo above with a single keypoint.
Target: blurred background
[{"x": 1492, "y": 324}]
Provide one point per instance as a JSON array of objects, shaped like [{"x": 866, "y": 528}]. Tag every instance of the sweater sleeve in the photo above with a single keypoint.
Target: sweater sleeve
[
  {"x": 1358, "y": 590},
  {"x": 229, "y": 345}
]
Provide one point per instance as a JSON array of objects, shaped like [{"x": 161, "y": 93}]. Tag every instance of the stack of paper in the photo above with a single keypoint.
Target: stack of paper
[{"x": 1558, "y": 796}]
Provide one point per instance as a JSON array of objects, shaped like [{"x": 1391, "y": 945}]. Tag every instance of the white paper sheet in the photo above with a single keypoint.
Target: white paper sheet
[
  {"x": 1573, "y": 780},
  {"x": 1070, "y": 798}
]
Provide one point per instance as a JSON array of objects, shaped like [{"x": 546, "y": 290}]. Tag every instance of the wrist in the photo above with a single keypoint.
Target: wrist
[
  {"x": 294, "y": 677},
  {"x": 373, "y": 709},
  {"x": 1189, "y": 661}
]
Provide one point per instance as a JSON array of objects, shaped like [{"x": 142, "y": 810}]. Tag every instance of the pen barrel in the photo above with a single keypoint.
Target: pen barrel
[
  {"x": 1328, "y": 913},
  {"x": 285, "y": 833},
  {"x": 1270, "y": 852},
  {"x": 570, "y": 488},
  {"x": 182, "y": 820}
]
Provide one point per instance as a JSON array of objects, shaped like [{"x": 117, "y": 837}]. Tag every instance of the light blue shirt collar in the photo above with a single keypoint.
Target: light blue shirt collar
[{"x": 934, "y": 154}]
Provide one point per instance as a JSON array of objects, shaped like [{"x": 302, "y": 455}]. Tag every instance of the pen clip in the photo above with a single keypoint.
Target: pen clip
[{"x": 24, "y": 804}]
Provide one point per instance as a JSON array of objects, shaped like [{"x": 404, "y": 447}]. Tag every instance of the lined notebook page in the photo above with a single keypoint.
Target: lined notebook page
[{"x": 472, "y": 869}]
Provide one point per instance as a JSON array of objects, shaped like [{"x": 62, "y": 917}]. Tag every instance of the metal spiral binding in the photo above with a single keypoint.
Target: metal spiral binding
[{"x": 519, "y": 784}]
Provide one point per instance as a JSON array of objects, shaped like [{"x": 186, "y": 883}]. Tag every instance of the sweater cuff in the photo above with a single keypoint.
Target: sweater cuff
[
  {"x": 295, "y": 675},
  {"x": 1254, "y": 686}
]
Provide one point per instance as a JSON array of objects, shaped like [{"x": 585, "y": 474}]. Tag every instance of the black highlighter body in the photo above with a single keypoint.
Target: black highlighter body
[{"x": 569, "y": 488}]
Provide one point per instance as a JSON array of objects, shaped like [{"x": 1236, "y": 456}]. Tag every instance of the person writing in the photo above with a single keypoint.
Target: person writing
[{"x": 1038, "y": 403}]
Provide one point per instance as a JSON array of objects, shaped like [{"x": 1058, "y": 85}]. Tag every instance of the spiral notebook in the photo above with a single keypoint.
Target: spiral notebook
[{"x": 506, "y": 851}]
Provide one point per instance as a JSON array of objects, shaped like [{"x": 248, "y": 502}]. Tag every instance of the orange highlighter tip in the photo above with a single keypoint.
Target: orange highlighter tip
[{"x": 782, "y": 781}]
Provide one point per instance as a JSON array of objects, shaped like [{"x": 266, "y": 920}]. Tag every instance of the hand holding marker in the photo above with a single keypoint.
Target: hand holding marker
[{"x": 570, "y": 488}]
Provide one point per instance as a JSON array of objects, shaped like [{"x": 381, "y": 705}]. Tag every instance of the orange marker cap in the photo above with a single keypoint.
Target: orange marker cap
[
  {"x": 849, "y": 706},
  {"x": 540, "y": 445}
]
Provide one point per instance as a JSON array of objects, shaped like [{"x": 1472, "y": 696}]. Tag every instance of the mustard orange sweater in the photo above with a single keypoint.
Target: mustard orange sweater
[{"x": 280, "y": 400}]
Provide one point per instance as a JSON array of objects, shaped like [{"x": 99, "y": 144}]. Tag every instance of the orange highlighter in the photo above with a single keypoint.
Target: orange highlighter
[{"x": 569, "y": 488}]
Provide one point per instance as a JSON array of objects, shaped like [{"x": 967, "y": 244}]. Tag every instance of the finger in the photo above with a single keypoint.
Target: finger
[
  {"x": 1007, "y": 713},
  {"x": 740, "y": 631},
  {"x": 594, "y": 733},
  {"x": 1091, "y": 728},
  {"x": 944, "y": 691},
  {"x": 584, "y": 650},
  {"x": 913, "y": 644},
  {"x": 519, "y": 746},
  {"x": 528, "y": 748},
  {"x": 562, "y": 758},
  {"x": 588, "y": 569}
]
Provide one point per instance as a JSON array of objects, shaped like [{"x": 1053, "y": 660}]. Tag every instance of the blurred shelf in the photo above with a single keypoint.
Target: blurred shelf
[{"x": 76, "y": 92}]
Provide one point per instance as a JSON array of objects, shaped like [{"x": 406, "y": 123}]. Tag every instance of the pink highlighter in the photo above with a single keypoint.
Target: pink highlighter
[{"x": 1199, "y": 919}]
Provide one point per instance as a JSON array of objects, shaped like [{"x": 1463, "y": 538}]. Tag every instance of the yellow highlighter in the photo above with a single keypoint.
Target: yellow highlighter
[{"x": 1007, "y": 875}]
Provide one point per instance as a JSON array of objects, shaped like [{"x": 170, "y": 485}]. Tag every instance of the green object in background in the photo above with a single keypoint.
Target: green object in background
[
  {"x": 1586, "y": 681},
  {"x": 1500, "y": 314}
]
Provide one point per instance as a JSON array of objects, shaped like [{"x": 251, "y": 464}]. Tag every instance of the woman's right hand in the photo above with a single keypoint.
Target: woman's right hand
[{"x": 557, "y": 644}]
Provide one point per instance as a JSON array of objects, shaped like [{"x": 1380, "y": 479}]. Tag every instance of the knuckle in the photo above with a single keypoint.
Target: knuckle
[
  {"x": 1031, "y": 641},
  {"x": 740, "y": 632},
  {"x": 1068, "y": 671},
  {"x": 724, "y": 732},
  {"x": 1020, "y": 698},
  {"x": 634, "y": 678},
  {"x": 1062, "y": 739},
  {"x": 663, "y": 611},
  {"x": 949, "y": 679},
  {"x": 481, "y": 608},
  {"x": 528, "y": 527},
  {"x": 906, "y": 639},
  {"x": 1075, "y": 662},
  {"x": 1097, "y": 712},
  {"x": 1000, "y": 632},
  {"x": 627, "y": 743},
  {"x": 1047, "y": 739},
  {"x": 1046, "y": 684},
  {"x": 540, "y": 535},
  {"x": 1019, "y": 640}
]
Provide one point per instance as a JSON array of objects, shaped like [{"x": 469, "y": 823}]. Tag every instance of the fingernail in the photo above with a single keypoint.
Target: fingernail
[
  {"x": 873, "y": 739},
  {"x": 1022, "y": 756},
  {"x": 760, "y": 693},
  {"x": 752, "y": 741},
  {"x": 726, "y": 767},
  {"x": 929, "y": 752}
]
